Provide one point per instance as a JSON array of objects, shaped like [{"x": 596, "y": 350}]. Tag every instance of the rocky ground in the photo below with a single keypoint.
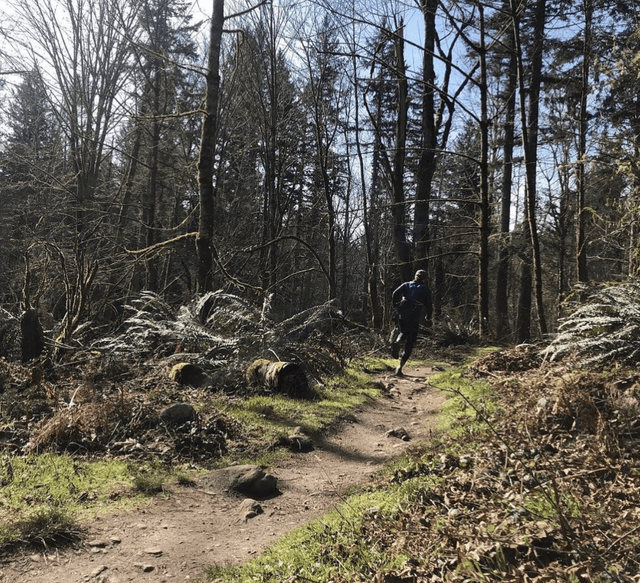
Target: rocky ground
[{"x": 177, "y": 536}]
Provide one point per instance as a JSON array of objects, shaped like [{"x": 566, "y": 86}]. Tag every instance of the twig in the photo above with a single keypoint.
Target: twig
[{"x": 621, "y": 538}]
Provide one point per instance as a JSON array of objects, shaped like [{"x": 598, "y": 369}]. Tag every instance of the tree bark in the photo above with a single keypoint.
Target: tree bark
[
  {"x": 503, "y": 328},
  {"x": 399, "y": 214},
  {"x": 485, "y": 208},
  {"x": 427, "y": 161},
  {"x": 204, "y": 241},
  {"x": 581, "y": 248},
  {"x": 286, "y": 378},
  {"x": 531, "y": 258}
]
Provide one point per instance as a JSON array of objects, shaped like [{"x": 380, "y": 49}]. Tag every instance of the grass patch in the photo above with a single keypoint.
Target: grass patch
[
  {"x": 47, "y": 495},
  {"x": 44, "y": 525},
  {"x": 37, "y": 479},
  {"x": 274, "y": 416},
  {"x": 307, "y": 551},
  {"x": 148, "y": 479}
]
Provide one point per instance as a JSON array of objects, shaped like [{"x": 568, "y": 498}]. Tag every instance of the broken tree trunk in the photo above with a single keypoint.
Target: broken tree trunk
[
  {"x": 32, "y": 335},
  {"x": 280, "y": 377}
]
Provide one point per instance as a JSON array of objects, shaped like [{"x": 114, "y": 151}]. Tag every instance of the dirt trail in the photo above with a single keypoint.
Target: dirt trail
[{"x": 176, "y": 538}]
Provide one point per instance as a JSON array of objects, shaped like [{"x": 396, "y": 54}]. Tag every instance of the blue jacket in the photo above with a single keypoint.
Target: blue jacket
[{"x": 409, "y": 299}]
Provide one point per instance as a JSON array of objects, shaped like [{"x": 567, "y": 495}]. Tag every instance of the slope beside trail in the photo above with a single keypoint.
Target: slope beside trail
[{"x": 177, "y": 537}]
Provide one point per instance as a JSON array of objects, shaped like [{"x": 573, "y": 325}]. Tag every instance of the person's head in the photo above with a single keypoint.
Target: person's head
[{"x": 421, "y": 276}]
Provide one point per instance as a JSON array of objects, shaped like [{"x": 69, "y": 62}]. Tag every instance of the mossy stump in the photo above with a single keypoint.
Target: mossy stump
[{"x": 185, "y": 373}]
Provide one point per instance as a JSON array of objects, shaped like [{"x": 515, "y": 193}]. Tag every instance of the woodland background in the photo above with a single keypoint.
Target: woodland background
[{"x": 299, "y": 153}]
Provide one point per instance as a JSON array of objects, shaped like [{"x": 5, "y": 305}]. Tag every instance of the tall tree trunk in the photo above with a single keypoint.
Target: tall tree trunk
[
  {"x": 530, "y": 147},
  {"x": 634, "y": 241},
  {"x": 523, "y": 327},
  {"x": 503, "y": 328},
  {"x": 531, "y": 157},
  {"x": 371, "y": 275},
  {"x": 129, "y": 182},
  {"x": 322, "y": 154},
  {"x": 273, "y": 226},
  {"x": 485, "y": 208},
  {"x": 427, "y": 161},
  {"x": 151, "y": 193},
  {"x": 204, "y": 240},
  {"x": 399, "y": 214},
  {"x": 581, "y": 218}
]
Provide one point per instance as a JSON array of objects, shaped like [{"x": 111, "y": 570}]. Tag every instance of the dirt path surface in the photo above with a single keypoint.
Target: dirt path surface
[{"x": 177, "y": 537}]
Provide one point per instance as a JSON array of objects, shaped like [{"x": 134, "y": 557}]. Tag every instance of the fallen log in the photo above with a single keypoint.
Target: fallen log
[{"x": 281, "y": 377}]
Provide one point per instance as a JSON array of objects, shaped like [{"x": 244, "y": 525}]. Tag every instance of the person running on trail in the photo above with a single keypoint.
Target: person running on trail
[{"x": 412, "y": 301}]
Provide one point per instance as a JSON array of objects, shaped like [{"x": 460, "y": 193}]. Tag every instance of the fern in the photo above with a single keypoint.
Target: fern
[
  {"x": 605, "y": 327},
  {"x": 222, "y": 330}
]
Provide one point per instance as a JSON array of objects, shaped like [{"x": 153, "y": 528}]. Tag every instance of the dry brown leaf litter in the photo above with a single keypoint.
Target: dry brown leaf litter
[
  {"x": 550, "y": 492},
  {"x": 92, "y": 411}
]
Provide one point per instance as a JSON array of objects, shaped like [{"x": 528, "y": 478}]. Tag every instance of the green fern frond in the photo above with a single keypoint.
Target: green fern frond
[{"x": 604, "y": 328}]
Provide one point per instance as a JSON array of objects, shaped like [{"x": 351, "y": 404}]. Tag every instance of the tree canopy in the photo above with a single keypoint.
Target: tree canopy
[{"x": 303, "y": 152}]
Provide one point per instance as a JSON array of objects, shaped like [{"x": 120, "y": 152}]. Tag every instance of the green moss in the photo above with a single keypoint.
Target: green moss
[
  {"x": 55, "y": 490},
  {"x": 469, "y": 400},
  {"x": 274, "y": 416}
]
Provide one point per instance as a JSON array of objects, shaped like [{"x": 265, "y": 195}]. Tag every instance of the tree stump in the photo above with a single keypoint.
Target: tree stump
[
  {"x": 185, "y": 373},
  {"x": 32, "y": 335},
  {"x": 281, "y": 377}
]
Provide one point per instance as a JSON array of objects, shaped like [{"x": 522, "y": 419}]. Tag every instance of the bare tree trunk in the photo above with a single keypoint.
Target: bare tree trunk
[
  {"x": 371, "y": 274},
  {"x": 530, "y": 145},
  {"x": 399, "y": 214},
  {"x": 204, "y": 240},
  {"x": 531, "y": 157},
  {"x": 427, "y": 161},
  {"x": 485, "y": 208},
  {"x": 581, "y": 247},
  {"x": 502, "y": 283}
]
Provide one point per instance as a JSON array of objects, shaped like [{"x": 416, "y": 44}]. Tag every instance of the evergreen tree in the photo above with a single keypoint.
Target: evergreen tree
[
  {"x": 324, "y": 97},
  {"x": 161, "y": 147},
  {"x": 29, "y": 204}
]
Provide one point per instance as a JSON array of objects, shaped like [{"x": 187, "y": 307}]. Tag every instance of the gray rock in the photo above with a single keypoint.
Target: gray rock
[
  {"x": 178, "y": 414},
  {"x": 249, "y": 480},
  {"x": 145, "y": 568},
  {"x": 98, "y": 570},
  {"x": 400, "y": 433},
  {"x": 255, "y": 482},
  {"x": 250, "y": 509}
]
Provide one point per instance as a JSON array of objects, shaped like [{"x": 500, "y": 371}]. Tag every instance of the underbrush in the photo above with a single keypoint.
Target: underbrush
[
  {"x": 46, "y": 497},
  {"x": 535, "y": 479}
]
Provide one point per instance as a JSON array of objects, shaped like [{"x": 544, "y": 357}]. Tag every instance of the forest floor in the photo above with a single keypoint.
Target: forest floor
[{"x": 179, "y": 534}]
